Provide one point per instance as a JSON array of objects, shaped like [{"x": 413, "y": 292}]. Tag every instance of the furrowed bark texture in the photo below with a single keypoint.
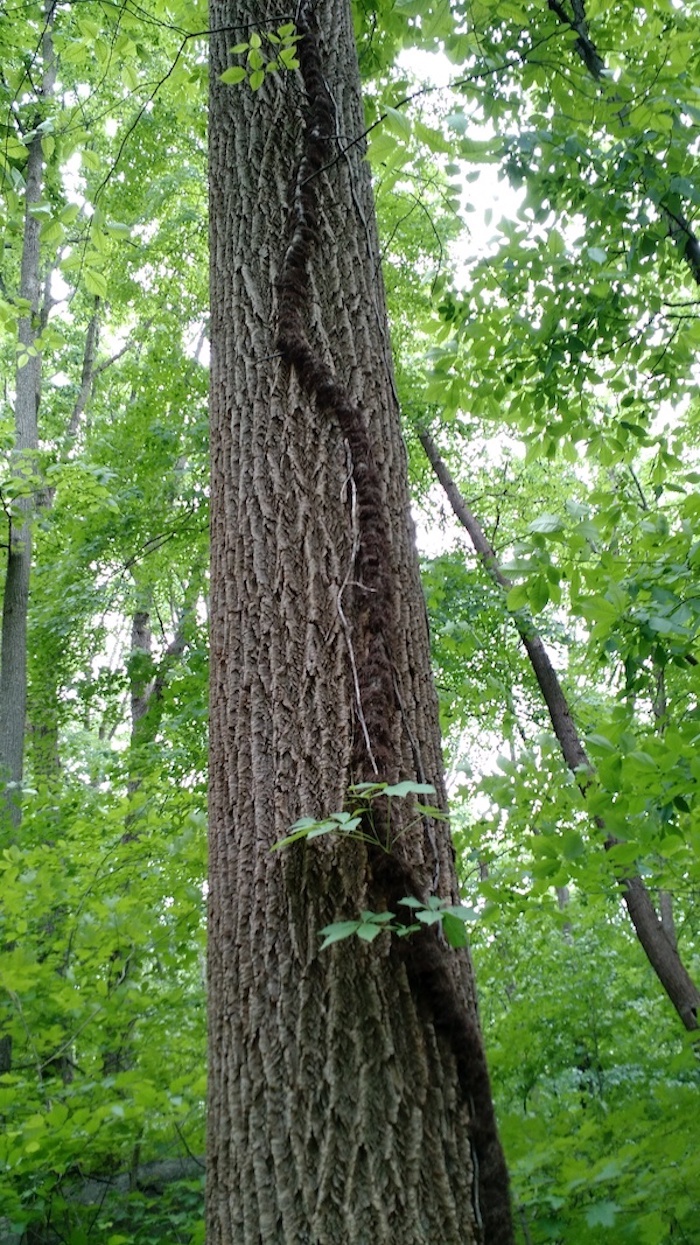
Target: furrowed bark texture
[{"x": 349, "y": 1099}]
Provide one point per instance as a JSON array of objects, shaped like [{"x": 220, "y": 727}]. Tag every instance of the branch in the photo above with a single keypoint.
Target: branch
[
  {"x": 584, "y": 45},
  {"x": 679, "y": 229},
  {"x": 651, "y": 932},
  {"x": 146, "y": 1178},
  {"x": 88, "y": 373}
]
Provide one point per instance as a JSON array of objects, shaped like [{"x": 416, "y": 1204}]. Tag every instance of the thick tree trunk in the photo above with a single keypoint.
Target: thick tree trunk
[{"x": 349, "y": 1100}]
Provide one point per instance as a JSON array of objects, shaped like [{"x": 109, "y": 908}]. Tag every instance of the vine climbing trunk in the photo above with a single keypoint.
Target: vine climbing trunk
[{"x": 349, "y": 1099}]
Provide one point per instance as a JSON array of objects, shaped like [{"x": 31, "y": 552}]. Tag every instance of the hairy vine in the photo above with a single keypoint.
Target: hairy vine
[
  {"x": 373, "y": 599},
  {"x": 431, "y": 971}
]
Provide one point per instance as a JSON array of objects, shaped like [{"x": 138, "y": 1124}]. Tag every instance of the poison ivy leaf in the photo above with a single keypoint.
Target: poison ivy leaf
[
  {"x": 455, "y": 930},
  {"x": 234, "y": 75},
  {"x": 407, "y": 787}
]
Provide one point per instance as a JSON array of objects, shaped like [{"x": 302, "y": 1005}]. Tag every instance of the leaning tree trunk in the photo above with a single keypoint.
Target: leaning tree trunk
[
  {"x": 655, "y": 933},
  {"x": 349, "y": 1100}
]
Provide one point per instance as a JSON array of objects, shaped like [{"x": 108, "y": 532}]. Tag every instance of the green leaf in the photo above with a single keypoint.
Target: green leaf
[
  {"x": 236, "y": 74},
  {"x": 546, "y": 523},
  {"x": 461, "y": 912},
  {"x": 602, "y": 1214},
  {"x": 69, "y": 213},
  {"x": 257, "y": 79},
  {"x": 323, "y": 827},
  {"x": 407, "y": 787},
  {"x": 455, "y": 930},
  {"x": 398, "y": 122},
  {"x": 573, "y": 846},
  {"x": 95, "y": 282},
  {"x": 517, "y": 598},
  {"x": 129, "y": 77},
  {"x": 304, "y": 823},
  {"x": 289, "y": 58},
  {"x": 538, "y": 593},
  {"x": 52, "y": 233},
  {"x": 338, "y": 932},
  {"x": 428, "y": 918}
]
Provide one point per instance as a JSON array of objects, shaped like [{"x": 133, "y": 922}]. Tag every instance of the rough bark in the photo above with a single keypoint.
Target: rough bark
[
  {"x": 13, "y": 655},
  {"x": 666, "y": 917},
  {"x": 349, "y": 1097},
  {"x": 653, "y": 934}
]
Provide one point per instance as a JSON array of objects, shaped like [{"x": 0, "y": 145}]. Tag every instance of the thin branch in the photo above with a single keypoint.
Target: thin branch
[
  {"x": 87, "y": 374},
  {"x": 679, "y": 228}
]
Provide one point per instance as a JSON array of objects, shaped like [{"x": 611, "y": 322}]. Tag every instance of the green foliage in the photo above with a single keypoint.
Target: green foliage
[
  {"x": 556, "y": 362},
  {"x": 363, "y": 823},
  {"x": 452, "y": 918},
  {"x": 265, "y": 53},
  {"x": 101, "y": 977},
  {"x": 555, "y": 365},
  {"x": 594, "y": 1079},
  {"x": 101, "y": 923}
]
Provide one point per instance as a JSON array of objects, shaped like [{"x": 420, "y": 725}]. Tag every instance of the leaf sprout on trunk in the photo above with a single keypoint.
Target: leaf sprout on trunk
[{"x": 358, "y": 824}]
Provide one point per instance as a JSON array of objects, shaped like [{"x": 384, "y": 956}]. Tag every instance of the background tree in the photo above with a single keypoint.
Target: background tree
[{"x": 99, "y": 937}]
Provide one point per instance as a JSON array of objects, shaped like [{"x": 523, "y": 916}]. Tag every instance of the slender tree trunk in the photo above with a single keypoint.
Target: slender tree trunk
[
  {"x": 653, "y": 934},
  {"x": 147, "y": 680},
  {"x": 13, "y": 656},
  {"x": 13, "y": 661},
  {"x": 349, "y": 1100}
]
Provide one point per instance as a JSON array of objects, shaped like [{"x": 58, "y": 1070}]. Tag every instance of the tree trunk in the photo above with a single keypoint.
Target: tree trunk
[
  {"x": 349, "y": 1100},
  {"x": 13, "y": 662},
  {"x": 13, "y": 656}
]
